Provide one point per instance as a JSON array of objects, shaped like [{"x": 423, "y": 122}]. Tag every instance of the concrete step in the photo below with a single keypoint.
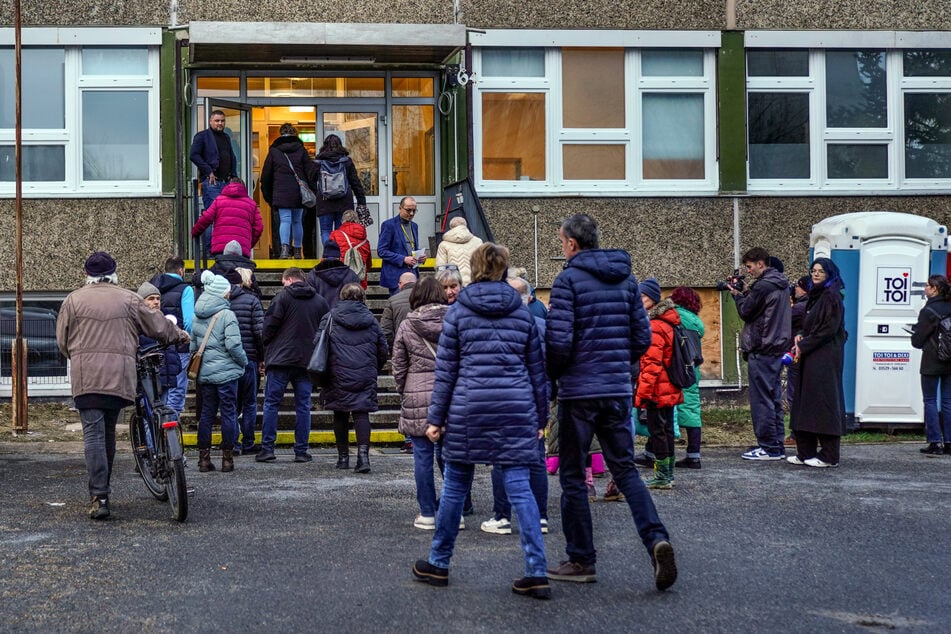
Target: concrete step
[
  {"x": 386, "y": 400},
  {"x": 319, "y": 419},
  {"x": 385, "y": 440}
]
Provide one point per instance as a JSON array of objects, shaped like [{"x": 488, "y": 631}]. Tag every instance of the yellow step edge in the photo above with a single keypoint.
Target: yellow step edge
[
  {"x": 316, "y": 438},
  {"x": 280, "y": 265}
]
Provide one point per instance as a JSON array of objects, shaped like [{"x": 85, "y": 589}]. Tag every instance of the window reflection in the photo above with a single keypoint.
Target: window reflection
[
  {"x": 115, "y": 128},
  {"x": 413, "y": 151},
  {"x": 115, "y": 60},
  {"x": 673, "y": 136},
  {"x": 857, "y": 161},
  {"x": 43, "y": 88},
  {"x": 40, "y": 163},
  {"x": 778, "y": 135},
  {"x": 855, "y": 89},
  {"x": 513, "y": 136},
  {"x": 928, "y": 135}
]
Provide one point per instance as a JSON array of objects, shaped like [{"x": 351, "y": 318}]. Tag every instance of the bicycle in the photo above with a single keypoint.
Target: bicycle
[{"x": 156, "y": 436}]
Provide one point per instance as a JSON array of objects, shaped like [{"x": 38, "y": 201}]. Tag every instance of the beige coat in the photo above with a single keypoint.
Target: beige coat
[
  {"x": 457, "y": 246},
  {"x": 98, "y": 331},
  {"x": 414, "y": 365}
]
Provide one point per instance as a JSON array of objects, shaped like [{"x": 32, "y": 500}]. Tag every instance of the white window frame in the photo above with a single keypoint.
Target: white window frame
[
  {"x": 629, "y": 136},
  {"x": 75, "y": 85},
  {"x": 893, "y": 43}
]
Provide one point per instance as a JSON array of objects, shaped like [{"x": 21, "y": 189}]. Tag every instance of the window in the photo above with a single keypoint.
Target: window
[
  {"x": 90, "y": 119},
  {"x": 849, "y": 119},
  {"x": 594, "y": 120}
]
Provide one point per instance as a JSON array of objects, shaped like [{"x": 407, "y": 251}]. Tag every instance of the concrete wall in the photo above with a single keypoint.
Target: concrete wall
[
  {"x": 850, "y": 14},
  {"x": 595, "y": 14},
  {"x": 58, "y": 235}
]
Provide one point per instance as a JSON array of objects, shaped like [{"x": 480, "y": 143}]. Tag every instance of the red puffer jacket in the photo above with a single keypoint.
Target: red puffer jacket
[
  {"x": 357, "y": 233},
  {"x": 653, "y": 384},
  {"x": 235, "y": 217}
]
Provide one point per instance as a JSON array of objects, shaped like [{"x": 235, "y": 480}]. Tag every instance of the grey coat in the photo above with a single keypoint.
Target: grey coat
[{"x": 414, "y": 365}]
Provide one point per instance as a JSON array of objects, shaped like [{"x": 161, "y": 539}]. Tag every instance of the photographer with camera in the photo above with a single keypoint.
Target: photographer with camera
[{"x": 765, "y": 310}]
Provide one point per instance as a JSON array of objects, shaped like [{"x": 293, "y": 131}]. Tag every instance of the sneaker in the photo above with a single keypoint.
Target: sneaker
[
  {"x": 100, "y": 507},
  {"x": 425, "y": 522},
  {"x": 497, "y": 526},
  {"x": 462, "y": 523},
  {"x": 544, "y": 524},
  {"x": 612, "y": 493},
  {"x": 758, "y": 453},
  {"x": 643, "y": 460},
  {"x": 303, "y": 457},
  {"x": 688, "y": 463},
  {"x": 933, "y": 449},
  {"x": 407, "y": 447},
  {"x": 428, "y": 573},
  {"x": 816, "y": 462},
  {"x": 252, "y": 450},
  {"x": 534, "y": 587},
  {"x": 794, "y": 460},
  {"x": 665, "y": 567},
  {"x": 265, "y": 455},
  {"x": 571, "y": 571}
]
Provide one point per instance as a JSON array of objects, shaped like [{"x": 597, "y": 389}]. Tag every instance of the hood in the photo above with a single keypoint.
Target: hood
[
  {"x": 300, "y": 290},
  {"x": 458, "y": 235},
  {"x": 332, "y": 271},
  {"x": 352, "y": 315},
  {"x": 492, "y": 299},
  {"x": 228, "y": 262},
  {"x": 166, "y": 282},
  {"x": 772, "y": 277},
  {"x": 608, "y": 265},
  {"x": 690, "y": 320},
  {"x": 426, "y": 321},
  {"x": 287, "y": 144},
  {"x": 235, "y": 190},
  {"x": 208, "y": 304},
  {"x": 356, "y": 231},
  {"x": 665, "y": 310},
  {"x": 236, "y": 291},
  {"x": 332, "y": 155}
]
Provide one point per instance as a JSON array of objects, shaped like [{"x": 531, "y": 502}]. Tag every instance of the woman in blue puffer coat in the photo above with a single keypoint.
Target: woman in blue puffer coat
[
  {"x": 489, "y": 403},
  {"x": 223, "y": 363}
]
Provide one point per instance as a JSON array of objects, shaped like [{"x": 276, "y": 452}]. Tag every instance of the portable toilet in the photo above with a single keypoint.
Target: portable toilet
[{"x": 885, "y": 259}]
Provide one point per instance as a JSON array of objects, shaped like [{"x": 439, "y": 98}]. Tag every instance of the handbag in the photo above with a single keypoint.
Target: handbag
[
  {"x": 363, "y": 215},
  {"x": 307, "y": 196},
  {"x": 194, "y": 364},
  {"x": 319, "y": 362}
]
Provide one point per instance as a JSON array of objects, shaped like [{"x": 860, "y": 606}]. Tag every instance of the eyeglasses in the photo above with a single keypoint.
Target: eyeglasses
[
  {"x": 446, "y": 267},
  {"x": 409, "y": 210}
]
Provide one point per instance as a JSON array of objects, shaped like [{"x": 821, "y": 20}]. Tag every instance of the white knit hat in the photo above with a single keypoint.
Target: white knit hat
[{"x": 215, "y": 284}]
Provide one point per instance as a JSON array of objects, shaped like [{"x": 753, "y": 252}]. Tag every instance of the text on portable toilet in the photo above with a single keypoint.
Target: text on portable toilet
[{"x": 892, "y": 286}]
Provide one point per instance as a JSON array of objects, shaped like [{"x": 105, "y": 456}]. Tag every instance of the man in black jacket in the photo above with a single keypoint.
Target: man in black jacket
[
  {"x": 764, "y": 308},
  {"x": 290, "y": 324}
]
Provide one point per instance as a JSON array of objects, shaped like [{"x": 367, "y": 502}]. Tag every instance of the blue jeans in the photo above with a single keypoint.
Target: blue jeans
[
  {"x": 208, "y": 194},
  {"x": 99, "y": 445},
  {"x": 423, "y": 462},
  {"x": 329, "y": 222},
  {"x": 935, "y": 428},
  {"x": 766, "y": 401},
  {"x": 291, "y": 226},
  {"x": 457, "y": 482},
  {"x": 215, "y": 397},
  {"x": 538, "y": 480},
  {"x": 610, "y": 419},
  {"x": 248, "y": 404},
  {"x": 175, "y": 397},
  {"x": 277, "y": 379}
]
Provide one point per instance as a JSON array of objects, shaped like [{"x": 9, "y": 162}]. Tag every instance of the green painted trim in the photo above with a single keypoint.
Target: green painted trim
[
  {"x": 286, "y": 438},
  {"x": 454, "y": 138},
  {"x": 730, "y": 327},
  {"x": 167, "y": 113},
  {"x": 731, "y": 112}
]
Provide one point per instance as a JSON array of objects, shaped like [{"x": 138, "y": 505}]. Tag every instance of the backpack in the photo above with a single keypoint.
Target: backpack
[
  {"x": 332, "y": 182},
  {"x": 682, "y": 370},
  {"x": 353, "y": 259},
  {"x": 943, "y": 337}
]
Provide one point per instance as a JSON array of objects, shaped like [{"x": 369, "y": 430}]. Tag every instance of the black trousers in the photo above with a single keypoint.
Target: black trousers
[{"x": 807, "y": 442}]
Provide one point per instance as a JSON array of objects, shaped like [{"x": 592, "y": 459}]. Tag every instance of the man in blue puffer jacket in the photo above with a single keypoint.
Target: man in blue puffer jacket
[{"x": 597, "y": 329}]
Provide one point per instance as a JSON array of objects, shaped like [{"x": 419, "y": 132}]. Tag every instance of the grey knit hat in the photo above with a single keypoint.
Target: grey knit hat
[{"x": 147, "y": 289}]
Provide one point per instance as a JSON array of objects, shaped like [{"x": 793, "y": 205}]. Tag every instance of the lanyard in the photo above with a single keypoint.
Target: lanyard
[{"x": 408, "y": 236}]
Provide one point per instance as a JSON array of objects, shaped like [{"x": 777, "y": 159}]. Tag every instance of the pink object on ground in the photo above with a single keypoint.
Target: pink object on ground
[
  {"x": 597, "y": 464},
  {"x": 551, "y": 463}
]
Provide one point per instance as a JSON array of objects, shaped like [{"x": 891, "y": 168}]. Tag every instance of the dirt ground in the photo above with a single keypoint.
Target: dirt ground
[{"x": 46, "y": 422}]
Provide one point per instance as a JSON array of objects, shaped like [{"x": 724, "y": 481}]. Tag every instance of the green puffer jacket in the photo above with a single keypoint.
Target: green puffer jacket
[
  {"x": 688, "y": 412},
  {"x": 224, "y": 358}
]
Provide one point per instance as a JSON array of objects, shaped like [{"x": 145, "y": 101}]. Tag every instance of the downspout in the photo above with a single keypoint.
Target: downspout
[{"x": 179, "y": 149}]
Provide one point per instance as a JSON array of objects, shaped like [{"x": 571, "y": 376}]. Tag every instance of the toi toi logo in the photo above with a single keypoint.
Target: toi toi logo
[{"x": 893, "y": 286}]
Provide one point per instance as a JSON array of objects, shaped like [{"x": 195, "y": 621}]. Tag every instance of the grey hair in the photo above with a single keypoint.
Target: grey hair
[
  {"x": 95, "y": 279},
  {"x": 457, "y": 221},
  {"x": 522, "y": 287},
  {"x": 448, "y": 275}
]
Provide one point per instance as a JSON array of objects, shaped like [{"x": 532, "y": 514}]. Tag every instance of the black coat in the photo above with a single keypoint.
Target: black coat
[
  {"x": 290, "y": 324},
  {"x": 328, "y": 277},
  {"x": 357, "y": 354},
  {"x": 925, "y": 336},
  {"x": 247, "y": 308},
  {"x": 818, "y": 401},
  {"x": 345, "y": 202},
  {"x": 278, "y": 183}
]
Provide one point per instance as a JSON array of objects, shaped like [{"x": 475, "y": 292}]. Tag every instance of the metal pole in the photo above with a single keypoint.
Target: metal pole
[{"x": 19, "y": 344}]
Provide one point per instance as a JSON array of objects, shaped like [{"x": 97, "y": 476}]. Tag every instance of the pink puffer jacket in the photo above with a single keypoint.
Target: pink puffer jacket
[{"x": 235, "y": 216}]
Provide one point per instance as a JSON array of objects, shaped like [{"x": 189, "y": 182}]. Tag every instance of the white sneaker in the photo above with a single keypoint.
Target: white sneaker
[
  {"x": 794, "y": 460},
  {"x": 544, "y": 526},
  {"x": 758, "y": 453},
  {"x": 425, "y": 522},
  {"x": 497, "y": 526},
  {"x": 462, "y": 523},
  {"x": 816, "y": 462}
]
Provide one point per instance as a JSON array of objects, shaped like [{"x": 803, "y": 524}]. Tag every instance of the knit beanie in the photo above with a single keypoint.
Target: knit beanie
[
  {"x": 651, "y": 288},
  {"x": 100, "y": 264},
  {"x": 215, "y": 284},
  {"x": 331, "y": 250},
  {"x": 147, "y": 289},
  {"x": 233, "y": 248}
]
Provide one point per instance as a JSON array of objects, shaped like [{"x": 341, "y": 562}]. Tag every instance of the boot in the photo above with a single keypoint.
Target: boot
[
  {"x": 204, "y": 461},
  {"x": 343, "y": 458},
  {"x": 663, "y": 470},
  {"x": 227, "y": 460},
  {"x": 363, "y": 459},
  {"x": 298, "y": 255},
  {"x": 285, "y": 252},
  {"x": 688, "y": 463}
]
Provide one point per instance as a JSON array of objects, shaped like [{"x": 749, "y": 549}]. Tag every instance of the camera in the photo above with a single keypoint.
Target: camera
[{"x": 734, "y": 282}]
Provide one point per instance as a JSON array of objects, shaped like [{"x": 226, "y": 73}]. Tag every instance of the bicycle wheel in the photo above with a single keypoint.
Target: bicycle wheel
[
  {"x": 143, "y": 457},
  {"x": 175, "y": 486}
]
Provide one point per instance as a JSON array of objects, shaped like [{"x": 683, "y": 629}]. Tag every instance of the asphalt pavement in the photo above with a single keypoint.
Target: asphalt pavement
[{"x": 286, "y": 547}]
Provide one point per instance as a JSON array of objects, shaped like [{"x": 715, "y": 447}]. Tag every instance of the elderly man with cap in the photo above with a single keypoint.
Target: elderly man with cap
[
  {"x": 98, "y": 330},
  {"x": 331, "y": 274},
  {"x": 171, "y": 362}
]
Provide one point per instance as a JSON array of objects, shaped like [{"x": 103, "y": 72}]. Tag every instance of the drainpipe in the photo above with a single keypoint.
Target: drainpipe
[{"x": 179, "y": 150}]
